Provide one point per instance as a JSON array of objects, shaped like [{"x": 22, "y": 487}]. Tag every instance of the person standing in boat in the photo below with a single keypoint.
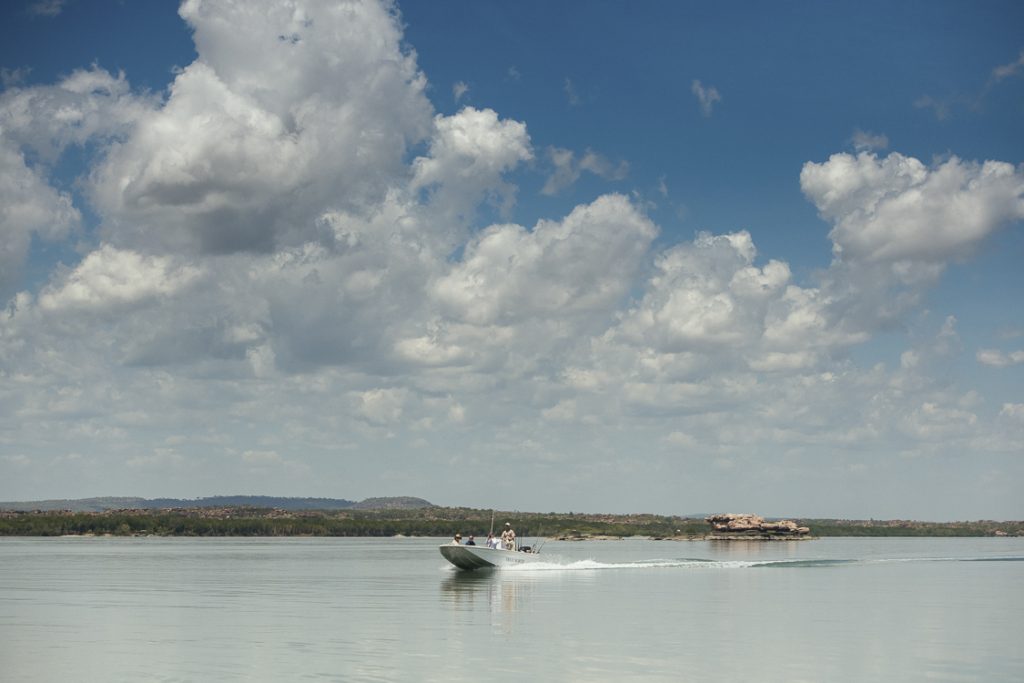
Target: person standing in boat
[
  {"x": 470, "y": 540},
  {"x": 457, "y": 540},
  {"x": 508, "y": 537}
]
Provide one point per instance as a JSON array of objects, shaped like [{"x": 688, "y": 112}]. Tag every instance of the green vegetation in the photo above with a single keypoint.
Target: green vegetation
[
  {"x": 875, "y": 527},
  {"x": 432, "y": 521}
]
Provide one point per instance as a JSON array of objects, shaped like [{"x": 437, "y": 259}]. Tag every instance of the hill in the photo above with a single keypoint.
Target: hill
[{"x": 263, "y": 502}]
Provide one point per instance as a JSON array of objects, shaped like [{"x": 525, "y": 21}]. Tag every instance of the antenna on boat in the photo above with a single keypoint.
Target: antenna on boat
[{"x": 492, "y": 522}]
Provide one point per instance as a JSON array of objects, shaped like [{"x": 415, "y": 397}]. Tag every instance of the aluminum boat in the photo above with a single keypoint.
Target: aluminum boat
[{"x": 470, "y": 557}]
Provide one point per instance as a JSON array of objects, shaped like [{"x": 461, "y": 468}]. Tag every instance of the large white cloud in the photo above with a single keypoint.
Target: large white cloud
[
  {"x": 897, "y": 209},
  {"x": 581, "y": 264},
  {"x": 290, "y": 109},
  {"x": 897, "y": 223},
  {"x": 706, "y": 294},
  {"x": 469, "y": 153}
]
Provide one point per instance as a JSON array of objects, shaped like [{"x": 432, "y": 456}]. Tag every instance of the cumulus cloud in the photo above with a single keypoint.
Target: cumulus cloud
[
  {"x": 41, "y": 123},
  {"x": 87, "y": 107},
  {"x": 581, "y": 264},
  {"x": 897, "y": 223},
  {"x": 469, "y": 153},
  {"x": 109, "y": 277},
  {"x": 284, "y": 112},
  {"x": 708, "y": 294},
  {"x": 898, "y": 209},
  {"x": 90, "y": 105}
]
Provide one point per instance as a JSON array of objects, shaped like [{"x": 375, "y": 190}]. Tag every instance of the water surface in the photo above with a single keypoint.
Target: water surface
[{"x": 175, "y": 609}]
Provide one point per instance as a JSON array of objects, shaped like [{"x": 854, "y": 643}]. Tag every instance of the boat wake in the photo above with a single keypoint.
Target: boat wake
[{"x": 702, "y": 563}]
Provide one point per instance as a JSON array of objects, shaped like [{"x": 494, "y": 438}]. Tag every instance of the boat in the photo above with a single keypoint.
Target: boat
[{"x": 471, "y": 557}]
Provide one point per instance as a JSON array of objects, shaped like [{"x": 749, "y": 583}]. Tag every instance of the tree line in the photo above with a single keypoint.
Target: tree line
[{"x": 434, "y": 522}]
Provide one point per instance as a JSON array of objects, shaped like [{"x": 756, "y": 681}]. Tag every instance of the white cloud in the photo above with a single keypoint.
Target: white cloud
[
  {"x": 864, "y": 141},
  {"x": 897, "y": 209},
  {"x": 159, "y": 459},
  {"x": 457, "y": 413},
  {"x": 706, "y": 97},
  {"x": 706, "y": 294},
  {"x": 112, "y": 277},
  {"x": 932, "y": 422},
  {"x": 459, "y": 90},
  {"x": 567, "y": 169},
  {"x": 28, "y": 206},
  {"x": 87, "y": 105},
  {"x": 1008, "y": 70},
  {"x": 999, "y": 359},
  {"x": 285, "y": 112},
  {"x": 253, "y": 457},
  {"x": 469, "y": 153},
  {"x": 940, "y": 108},
  {"x": 680, "y": 440},
  {"x": 563, "y": 411},
  {"x": 582, "y": 264},
  {"x": 382, "y": 406},
  {"x": 42, "y": 122},
  {"x": 47, "y": 8}
]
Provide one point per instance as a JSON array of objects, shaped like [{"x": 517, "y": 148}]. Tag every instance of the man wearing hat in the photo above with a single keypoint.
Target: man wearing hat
[
  {"x": 457, "y": 540},
  {"x": 508, "y": 537}
]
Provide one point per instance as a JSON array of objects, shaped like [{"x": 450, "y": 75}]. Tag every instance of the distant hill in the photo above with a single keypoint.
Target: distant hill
[
  {"x": 394, "y": 503},
  {"x": 122, "y": 503}
]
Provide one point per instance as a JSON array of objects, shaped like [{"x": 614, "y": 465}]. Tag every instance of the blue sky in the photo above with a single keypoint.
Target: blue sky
[{"x": 664, "y": 257}]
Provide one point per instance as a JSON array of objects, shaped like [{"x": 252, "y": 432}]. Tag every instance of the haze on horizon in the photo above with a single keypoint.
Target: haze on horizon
[{"x": 602, "y": 257}]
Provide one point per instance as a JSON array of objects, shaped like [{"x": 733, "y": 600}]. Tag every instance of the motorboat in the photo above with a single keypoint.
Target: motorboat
[{"x": 471, "y": 557}]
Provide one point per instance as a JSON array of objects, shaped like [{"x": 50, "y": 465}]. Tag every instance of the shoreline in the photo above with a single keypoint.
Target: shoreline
[{"x": 443, "y": 522}]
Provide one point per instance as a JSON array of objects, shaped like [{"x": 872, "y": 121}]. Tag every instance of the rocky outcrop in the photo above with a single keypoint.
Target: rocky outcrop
[{"x": 733, "y": 525}]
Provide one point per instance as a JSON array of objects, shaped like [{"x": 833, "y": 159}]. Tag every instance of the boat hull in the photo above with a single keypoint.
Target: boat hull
[{"x": 471, "y": 557}]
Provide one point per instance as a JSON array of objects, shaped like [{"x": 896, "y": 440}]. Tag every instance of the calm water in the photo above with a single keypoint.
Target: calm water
[{"x": 104, "y": 609}]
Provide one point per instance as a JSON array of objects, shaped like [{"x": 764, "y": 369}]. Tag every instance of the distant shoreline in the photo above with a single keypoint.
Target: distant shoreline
[{"x": 437, "y": 521}]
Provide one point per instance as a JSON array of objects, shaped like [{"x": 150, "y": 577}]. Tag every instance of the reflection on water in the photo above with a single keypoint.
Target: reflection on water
[
  {"x": 392, "y": 609},
  {"x": 501, "y": 591},
  {"x": 758, "y": 549}
]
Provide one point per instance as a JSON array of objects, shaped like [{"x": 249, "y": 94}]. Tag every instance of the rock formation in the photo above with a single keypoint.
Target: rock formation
[{"x": 733, "y": 525}]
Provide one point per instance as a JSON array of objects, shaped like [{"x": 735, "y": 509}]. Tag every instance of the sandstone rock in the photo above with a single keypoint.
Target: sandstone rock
[{"x": 743, "y": 524}]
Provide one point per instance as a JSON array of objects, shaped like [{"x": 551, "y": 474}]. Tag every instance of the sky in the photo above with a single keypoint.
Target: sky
[{"x": 582, "y": 256}]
